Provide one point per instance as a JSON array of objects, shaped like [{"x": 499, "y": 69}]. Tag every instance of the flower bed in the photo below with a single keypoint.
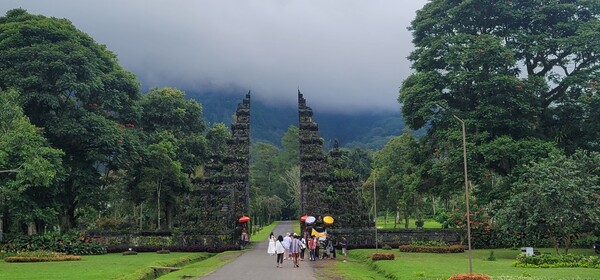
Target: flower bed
[
  {"x": 41, "y": 256},
  {"x": 382, "y": 256},
  {"x": 470, "y": 276}
]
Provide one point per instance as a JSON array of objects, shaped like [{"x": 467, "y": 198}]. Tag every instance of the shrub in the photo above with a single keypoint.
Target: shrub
[
  {"x": 129, "y": 253},
  {"x": 174, "y": 248},
  {"x": 431, "y": 243},
  {"x": 470, "y": 276},
  {"x": 491, "y": 257},
  {"x": 386, "y": 247},
  {"x": 430, "y": 249},
  {"x": 163, "y": 251},
  {"x": 382, "y": 256},
  {"x": 547, "y": 261},
  {"x": 41, "y": 256},
  {"x": 71, "y": 243}
]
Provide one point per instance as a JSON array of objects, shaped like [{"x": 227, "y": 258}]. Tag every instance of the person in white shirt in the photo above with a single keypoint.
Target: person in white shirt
[
  {"x": 286, "y": 245},
  {"x": 279, "y": 250},
  {"x": 271, "y": 248}
]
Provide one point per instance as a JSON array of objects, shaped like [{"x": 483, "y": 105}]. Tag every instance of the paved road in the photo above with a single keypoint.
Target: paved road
[{"x": 255, "y": 263}]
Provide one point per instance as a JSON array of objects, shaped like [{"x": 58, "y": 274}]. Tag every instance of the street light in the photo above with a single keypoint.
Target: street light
[
  {"x": 375, "y": 208},
  {"x": 464, "y": 141}
]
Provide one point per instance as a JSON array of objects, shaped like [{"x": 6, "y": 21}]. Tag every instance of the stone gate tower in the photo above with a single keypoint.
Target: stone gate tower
[{"x": 329, "y": 188}]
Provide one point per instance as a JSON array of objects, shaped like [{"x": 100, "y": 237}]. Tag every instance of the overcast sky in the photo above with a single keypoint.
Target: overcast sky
[{"x": 342, "y": 54}]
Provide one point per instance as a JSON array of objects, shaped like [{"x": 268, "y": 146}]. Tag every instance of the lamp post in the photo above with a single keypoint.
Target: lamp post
[
  {"x": 464, "y": 141},
  {"x": 375, "y": 208}
]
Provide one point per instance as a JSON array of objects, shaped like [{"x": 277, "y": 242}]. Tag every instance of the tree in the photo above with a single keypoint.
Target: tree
[
  {"x": 525, "y": 68},
  {"x": 396, "y": 173},
  {"x": 558, "y": 198},
  {"x": 27, "y": 165},
  {"x": 359, "y": 160},
  {"x": 519, "y": 70},
  {"x": 75, "y": 90},
  {"x": 163, "y": 175},
  {"x": 166, "y": 109}
]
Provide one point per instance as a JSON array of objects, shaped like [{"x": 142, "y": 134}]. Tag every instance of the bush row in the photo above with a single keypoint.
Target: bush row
[
  {"x": 432, "y": 249},
  {"x": 383, "y": 256},
  {"x": 547, "y": 261},
  {"x": 470, "y": 276},
  {"x": 70, "y": 243},
  {"x": 172, "y": 248}
]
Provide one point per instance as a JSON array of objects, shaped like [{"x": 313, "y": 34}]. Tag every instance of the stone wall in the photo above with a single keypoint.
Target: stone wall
[{"x": 366, "y": 237}]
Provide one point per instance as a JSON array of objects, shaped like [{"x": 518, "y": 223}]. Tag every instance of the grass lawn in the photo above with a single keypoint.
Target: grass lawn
[
  {"x": 109, "y": 266},
  {"x": 442, "y": 266},
  {"x": 263, "y": 234},
  {"x": 199, "y": 269}
]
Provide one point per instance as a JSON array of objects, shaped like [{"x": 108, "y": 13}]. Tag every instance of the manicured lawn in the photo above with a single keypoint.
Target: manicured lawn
[
  {"x": 263, "y": 234},
  {"x": 442, "y": 266},
  {"x": 202, "y": 268},
  {"x": 107, "y": 266}
]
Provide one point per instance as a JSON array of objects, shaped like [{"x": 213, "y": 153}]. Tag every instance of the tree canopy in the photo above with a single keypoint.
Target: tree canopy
[
  {"x": 74, "y": 89},
  {"x": 514, "y": 68}
]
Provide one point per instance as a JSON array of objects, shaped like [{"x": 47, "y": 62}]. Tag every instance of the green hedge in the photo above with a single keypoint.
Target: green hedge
[
  {"x": 548, "y": 261},
  {"x": 71, "y": 243}
]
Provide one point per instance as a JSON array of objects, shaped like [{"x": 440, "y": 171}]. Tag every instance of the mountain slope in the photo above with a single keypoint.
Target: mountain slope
[{"x": 269, "y": 122}]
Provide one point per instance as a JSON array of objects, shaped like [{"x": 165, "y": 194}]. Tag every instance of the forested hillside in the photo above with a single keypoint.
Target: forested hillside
[{"x": 270, "y": 122}]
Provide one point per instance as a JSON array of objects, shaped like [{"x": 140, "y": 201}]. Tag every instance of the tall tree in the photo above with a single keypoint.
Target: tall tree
[
  {"x": 162, "y": 176},
  {"x": 76, "y": 91},
  {"x": 518, "y": 73},
  {"x": 516, "y": 68},
  {"x": 28, "y": 165},
  {"x": 397, "y": 176}
]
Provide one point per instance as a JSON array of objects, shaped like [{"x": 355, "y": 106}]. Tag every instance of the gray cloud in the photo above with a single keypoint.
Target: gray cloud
[{"x": 341, "y": 54}]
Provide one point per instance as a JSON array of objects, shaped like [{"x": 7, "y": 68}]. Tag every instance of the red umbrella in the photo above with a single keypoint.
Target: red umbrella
[
  {"x": 244, "y": 219},
  {"x": 303, "y": 218}
]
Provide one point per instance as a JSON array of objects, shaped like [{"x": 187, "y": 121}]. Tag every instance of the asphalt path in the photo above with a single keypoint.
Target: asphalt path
[{"x": 255, "y": 263}]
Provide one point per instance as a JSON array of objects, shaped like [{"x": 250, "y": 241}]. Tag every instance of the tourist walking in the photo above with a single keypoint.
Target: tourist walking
[
  {"x": 286, "y": 245},
  {"x": 271, "y": 248},
  {"x": 312, "y": 246},
  {"x": 244, "y": 239},
  {"x": 344, "y": 245},
  {"x": 302, "y": 248},
  {"x": 295, "y": 249},
  {"x": 279, "y": 250}
]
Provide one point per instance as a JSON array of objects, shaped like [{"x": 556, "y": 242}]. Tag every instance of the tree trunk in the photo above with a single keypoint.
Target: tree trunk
[
  {"x": 69, "y": 220},
  {"x": 169, "y": 215},
  {"x": 158, "y": 189},
  {"x": 141, "y": 215},
  {"x": 31, "y": 229}
]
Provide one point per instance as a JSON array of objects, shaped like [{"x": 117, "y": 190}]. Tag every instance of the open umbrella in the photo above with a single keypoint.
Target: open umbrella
[
  {"x": 244, "y": 219},
  {"x": 310, "y": 219},
  {"x": 303, "y": 218},
  {"x": 328, "y": 220}
]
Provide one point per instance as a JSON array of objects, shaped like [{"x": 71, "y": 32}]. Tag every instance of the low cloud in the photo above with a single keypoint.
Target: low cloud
[{"x": 343, "y": 55}]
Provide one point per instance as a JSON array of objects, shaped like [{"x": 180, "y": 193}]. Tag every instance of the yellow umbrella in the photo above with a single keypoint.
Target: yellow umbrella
[{"x": 328, "y": 220}]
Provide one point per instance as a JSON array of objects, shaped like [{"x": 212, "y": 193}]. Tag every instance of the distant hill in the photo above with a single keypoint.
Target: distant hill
[{"x": 269, "y": 122}]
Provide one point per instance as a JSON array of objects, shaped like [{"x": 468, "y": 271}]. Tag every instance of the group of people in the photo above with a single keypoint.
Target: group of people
[{"x": 293, "y": 247}]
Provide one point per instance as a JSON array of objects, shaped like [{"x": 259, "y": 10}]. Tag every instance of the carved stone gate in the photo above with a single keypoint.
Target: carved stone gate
[{"x": 326, "y": 187}]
